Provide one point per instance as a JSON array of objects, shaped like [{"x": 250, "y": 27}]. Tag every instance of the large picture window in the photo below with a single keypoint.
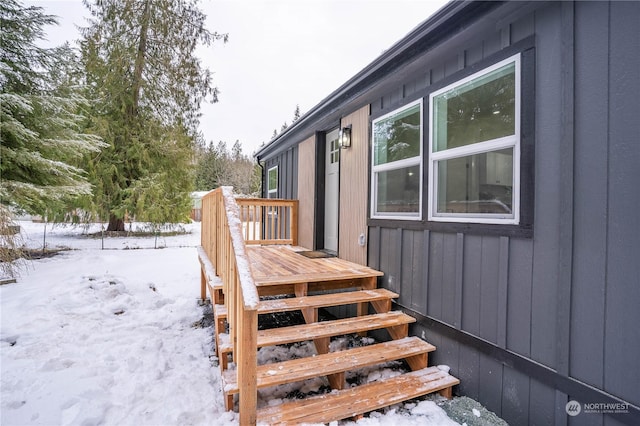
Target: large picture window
[
  {"x": 272, "y": 182},
  {"x": 397, "y": 164},
  {"x": 474, "y": 147}
]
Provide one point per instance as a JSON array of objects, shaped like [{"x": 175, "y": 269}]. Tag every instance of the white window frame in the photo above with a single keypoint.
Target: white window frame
[
  {"x": 507, "y": 142},
  {"x": 394, "y": 165},
  {"x": 272, "y": 192}
]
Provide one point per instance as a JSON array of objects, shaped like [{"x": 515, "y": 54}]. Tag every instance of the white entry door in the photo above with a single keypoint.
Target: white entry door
[{"x": 331, "y": 191}]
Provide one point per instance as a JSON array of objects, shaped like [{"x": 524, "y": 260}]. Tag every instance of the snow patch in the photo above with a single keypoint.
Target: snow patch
[{"x": 444, "y": 368}]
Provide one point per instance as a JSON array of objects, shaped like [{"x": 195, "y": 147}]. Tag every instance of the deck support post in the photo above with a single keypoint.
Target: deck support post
[
  {"x": 446, "y": 392},
  {"x": 203, "y": 285},
  {"x": 247, "y": 359}
]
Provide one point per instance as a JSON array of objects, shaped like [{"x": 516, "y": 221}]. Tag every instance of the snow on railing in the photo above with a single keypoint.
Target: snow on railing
[
  {"x": 228, "y": 225},
  {"x": 223, "y": 243}
]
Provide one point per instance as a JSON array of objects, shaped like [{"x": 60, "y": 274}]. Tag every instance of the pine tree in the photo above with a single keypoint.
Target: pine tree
[
  {"x": 41, "y": 117},
  {"x": 140, "y": 62},
  {"x": 216, "y": 167},
  {"x": 296, "y": 114},
  {"x": 236, "y": 151}
]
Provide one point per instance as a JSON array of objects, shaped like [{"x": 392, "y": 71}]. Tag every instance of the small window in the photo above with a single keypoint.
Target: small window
[
  {"x": 474, "y": 147},
  {"x": 397, "y": 164},
  {"x": 335, "y": 151},
  {"x": 272, "y": 182}
]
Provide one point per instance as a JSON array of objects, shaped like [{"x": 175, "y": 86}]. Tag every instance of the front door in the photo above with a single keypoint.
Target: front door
[{"x": 332, "y": 191}]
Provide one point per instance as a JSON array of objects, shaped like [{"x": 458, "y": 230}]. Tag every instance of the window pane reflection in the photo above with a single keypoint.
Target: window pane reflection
[
  {"x": 481, "y": 183},
  {"x": 399, "y": 190}
]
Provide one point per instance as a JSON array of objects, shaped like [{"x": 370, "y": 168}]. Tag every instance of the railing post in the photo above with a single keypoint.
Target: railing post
[
  {"x": 294, "y": 223},
  {"x": 247, "y": 368}
]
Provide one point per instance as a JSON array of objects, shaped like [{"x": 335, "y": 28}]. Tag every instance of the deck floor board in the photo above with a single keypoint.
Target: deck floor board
[{"x": 280, "y": 264}]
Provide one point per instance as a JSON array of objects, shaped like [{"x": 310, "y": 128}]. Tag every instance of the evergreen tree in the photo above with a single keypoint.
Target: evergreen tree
[
  {"x": 41, "y": 117},
  {"x": 140, "y": 62},
  {"x": 216, "y": 167},
  {"x": 296, "y": 114},
  {"x": 236, "y": 151}
]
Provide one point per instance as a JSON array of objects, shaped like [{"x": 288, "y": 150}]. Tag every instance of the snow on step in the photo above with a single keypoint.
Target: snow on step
[
  {"x": 299, "y": 333},
  {"x": 350, "y": 402},
  {"x": 316, "y": 330},
  {"x": 331, "y": 363}
]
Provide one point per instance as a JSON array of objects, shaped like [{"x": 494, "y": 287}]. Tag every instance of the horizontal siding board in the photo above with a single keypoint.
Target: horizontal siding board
[{"x": 622, "y": 369}]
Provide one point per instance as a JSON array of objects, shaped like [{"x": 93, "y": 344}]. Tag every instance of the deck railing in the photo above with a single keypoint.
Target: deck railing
[
  {"x": 269, "y": 221},
  {"x": 228, "y": 224}
]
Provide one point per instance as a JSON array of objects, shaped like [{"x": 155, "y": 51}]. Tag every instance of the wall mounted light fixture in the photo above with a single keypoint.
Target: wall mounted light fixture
[{"x": 345, "y": 137}]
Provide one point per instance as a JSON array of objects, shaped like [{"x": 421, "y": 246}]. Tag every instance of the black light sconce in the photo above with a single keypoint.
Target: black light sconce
[{"x": 345, "y": 137}]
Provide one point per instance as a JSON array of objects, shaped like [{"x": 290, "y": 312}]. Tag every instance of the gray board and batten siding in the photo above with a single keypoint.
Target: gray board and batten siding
[
  {"x": 287, "y": 164},
  {"x": 528, "y": 317}
]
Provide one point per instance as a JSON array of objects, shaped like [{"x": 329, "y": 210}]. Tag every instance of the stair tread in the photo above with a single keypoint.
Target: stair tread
[
  {"x": 333, "y": 362},
  {"x": 318, "y": 301},
  {"x": 350, "y": 402},
  {"x": 316, "y": 330}
]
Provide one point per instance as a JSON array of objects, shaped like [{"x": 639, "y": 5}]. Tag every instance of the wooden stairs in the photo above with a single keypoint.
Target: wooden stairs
[{"x": 373, "y": 312}]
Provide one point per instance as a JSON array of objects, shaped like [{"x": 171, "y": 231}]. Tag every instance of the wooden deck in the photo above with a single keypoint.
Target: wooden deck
[
  {"x": 282, "y": 264},
  {"x": 239, "y": 268}
]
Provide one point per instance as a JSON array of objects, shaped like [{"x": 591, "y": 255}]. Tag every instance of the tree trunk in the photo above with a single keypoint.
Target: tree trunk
[{"x": 115, "y": 224}]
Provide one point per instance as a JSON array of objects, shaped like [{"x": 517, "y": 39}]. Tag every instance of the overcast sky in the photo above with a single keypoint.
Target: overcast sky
[{"x": 280, "y": 53}]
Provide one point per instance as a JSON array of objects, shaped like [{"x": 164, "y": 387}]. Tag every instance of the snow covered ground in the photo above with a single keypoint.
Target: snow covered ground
[{"x": 109, "y": 337}]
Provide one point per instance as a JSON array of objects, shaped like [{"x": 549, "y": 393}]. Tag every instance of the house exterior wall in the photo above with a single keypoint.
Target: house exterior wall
[
  {"x": 287, "y": 163},
  {"x": 530, "y": 322},
  {"x": 306, "y": 192},
  {"x": 534, "y": 315},
  {"x": 354, "y": 184}
]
